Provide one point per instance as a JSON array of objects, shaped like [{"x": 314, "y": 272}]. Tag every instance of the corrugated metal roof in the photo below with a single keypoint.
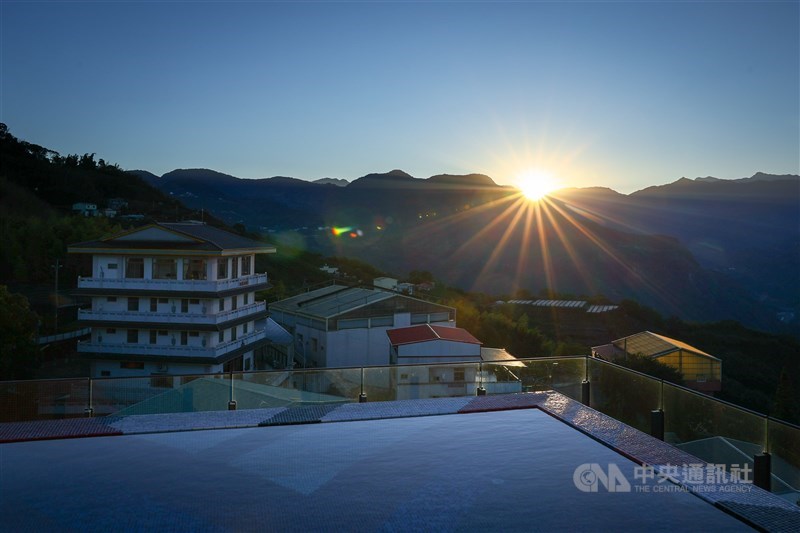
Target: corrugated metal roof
[
  {"x": 276, "y": 334},
  {"x": 500, "y": 355},
  {"x": 330, "y": 301},
  {"x": 427, "y": 332},
  {"x": 654, "y": 345}
]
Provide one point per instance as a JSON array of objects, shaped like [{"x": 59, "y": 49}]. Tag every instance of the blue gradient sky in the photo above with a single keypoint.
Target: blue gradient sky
[{"x": 623, "y": 95}]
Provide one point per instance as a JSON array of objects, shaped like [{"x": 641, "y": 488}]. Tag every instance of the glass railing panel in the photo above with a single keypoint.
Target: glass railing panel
[
  {"x": 380, "y": 383},
  {"x": 783, "y": 441},
  {"x": 159, "y": 394},
  {"x": 714, "y": 431},
  {"x": 43, "y": 399},
  {"x": 259, "y": 390},
  {"x": 623, "y": 394},
  {"x": 502, "y": 377},
  {"x": 410, "y": 382}
]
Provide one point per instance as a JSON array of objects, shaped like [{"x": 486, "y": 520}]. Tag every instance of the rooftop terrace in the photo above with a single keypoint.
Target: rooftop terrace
[{"x": 316, "y": 457}]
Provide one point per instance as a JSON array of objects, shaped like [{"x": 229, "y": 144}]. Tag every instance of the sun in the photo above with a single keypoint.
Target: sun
[{"x": 535, "y": 184}]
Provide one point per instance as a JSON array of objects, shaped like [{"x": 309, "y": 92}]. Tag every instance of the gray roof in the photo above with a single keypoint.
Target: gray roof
[
  {"x": 220, "y": 238},
  {"x": 203, "y": 238},
  {"x": 330, "y": 301}
]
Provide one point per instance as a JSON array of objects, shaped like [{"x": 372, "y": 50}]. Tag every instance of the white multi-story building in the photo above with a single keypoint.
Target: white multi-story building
[
  {"x": 175, "y": 298},
  {"x": 339, "y": 326}
]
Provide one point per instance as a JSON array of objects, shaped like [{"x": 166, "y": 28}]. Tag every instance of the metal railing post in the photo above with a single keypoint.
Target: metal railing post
[
  {"x": 362, "y": 398},
  {"x": 90, "y": 409},
  {"x": 480, "y": 390},
  {"x": 231, "y": 402}
]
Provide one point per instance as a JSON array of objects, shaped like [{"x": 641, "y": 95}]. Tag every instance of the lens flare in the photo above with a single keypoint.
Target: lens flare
[{"x": 340, "y": 230}]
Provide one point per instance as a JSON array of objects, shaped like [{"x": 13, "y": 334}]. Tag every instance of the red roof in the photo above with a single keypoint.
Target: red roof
[{"x": 426, "y": 332}]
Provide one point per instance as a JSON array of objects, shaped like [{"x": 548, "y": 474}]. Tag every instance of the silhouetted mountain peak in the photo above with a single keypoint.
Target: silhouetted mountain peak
[
  {"x": 198, "y": 175},
  {"x": 339, "y": 182},
  {"x": 763, "y": 176},
  {"x": 393, "y": 178},
  {"x": 462, "y": 180},
  {"x": 148, "y": 177},
  {"x": 286, "y": 181}
]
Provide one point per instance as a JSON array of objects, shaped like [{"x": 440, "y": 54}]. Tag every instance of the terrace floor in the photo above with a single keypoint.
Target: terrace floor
[{"x": 515, "y": 462}]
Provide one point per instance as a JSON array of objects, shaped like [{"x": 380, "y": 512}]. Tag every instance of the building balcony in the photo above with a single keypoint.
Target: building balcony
[
  {"x": 168, "y": 286},
  {"x": 190, "y": 353},
  {"x": 184, "y": 320}
]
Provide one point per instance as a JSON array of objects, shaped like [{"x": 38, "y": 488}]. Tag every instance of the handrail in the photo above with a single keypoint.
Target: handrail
[{"x": 291, "y": 372}]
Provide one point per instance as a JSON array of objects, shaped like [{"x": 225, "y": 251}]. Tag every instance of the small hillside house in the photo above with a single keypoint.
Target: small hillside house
[
  {"x": 701, "y": 371},
  {"x": 454, "y": 360}
]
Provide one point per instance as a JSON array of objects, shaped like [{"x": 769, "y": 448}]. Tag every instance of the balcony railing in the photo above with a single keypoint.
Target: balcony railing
[
  {"x": 167, "y": 285},
  {"x": 172, "y": 318},
  {"x": 134, "y": 349},
  {"x": 687, "y": 417}
]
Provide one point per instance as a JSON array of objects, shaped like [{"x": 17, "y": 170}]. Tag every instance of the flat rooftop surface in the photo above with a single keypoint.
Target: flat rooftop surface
[{"x": 512, "y": 470}]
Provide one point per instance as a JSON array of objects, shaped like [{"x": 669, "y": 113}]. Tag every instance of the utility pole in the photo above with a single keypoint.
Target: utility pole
[{"x": 56, "y": 267}]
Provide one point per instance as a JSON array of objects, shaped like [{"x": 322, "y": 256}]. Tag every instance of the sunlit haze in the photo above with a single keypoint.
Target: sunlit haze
[
  {"x": 535, "y": 184},
  {"x": 615, "y": 94}
]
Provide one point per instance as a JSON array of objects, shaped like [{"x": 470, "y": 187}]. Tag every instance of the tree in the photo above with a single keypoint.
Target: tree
[
  {"x": 420, "y": 276},
  {"x": 19, "y": 355},
  {"x": 652, "y": 367}
]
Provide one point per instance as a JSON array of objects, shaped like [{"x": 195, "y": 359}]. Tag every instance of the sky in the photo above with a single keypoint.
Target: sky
[{"x": 615, "y": 94}]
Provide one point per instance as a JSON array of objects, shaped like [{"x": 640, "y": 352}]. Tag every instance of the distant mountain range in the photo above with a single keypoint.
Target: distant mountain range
[{"x": 702, "y": 249}]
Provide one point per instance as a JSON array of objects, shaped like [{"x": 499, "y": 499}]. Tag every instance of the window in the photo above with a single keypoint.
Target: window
[
  {"x": 353, "y": 323},
  {"x": 244, "y": 328},
  {"x": 110, "y": 331},
  {"x": 165, "y": 268},
  {"x": 153, "y": 336},
  {"x": 184, "y": 305},
  {"x": 419, "y": 318},
  {"x": 222, "y": 304},
  {"x": 313, "y": 344},
  {"x": 246, "y": 265},
  {"x": 111, "y": 299},
  {"x": 133, "y": 304},
  {"x": 381, "y": 321},
  {"x": 234, "y": 302},
  {"x": 133, "y": 336},
  {"x": 458, "y": 374},
  {"x": 184, "y": 338},
  {"x": 221, "y": 337},
  {"x": 233, "y": 333},
  {"x": 153, "y": 305},
  {"x": 235, "y": 267},
  {"x": 194, "y": 269},
  {"x": 440, "y": 317},
  {"x": 132, "y": 365},
  {"x": 160, "y": 382},
  {"x": 222, "y": 268},
  {"x": 134, "y": 268}
]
